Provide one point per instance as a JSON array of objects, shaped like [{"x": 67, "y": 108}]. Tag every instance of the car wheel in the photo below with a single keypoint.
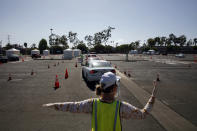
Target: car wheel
[
  {"x": 86, "y": 78},
  {"x": 83, "y": 75}
]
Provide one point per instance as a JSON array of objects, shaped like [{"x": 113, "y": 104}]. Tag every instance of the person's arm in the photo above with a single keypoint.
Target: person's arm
[
  {"x": 74, "y": 107},
  {"x": 128, "y": 111}
]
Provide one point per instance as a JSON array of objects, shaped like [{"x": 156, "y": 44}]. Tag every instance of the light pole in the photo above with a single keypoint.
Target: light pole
[{"x": 51, "y": 40}]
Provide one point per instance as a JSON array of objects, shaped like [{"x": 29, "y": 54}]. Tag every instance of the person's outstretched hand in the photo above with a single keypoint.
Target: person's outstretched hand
[
  {"x": 48, "y": 105},
  {"x": 154, "y": 92}
]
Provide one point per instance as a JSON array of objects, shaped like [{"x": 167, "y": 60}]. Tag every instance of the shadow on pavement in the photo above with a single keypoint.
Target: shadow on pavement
[{"x": 91, "y": 85}]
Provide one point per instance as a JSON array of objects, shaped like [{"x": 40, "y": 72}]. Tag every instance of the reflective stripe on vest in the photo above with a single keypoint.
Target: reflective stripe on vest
[{"x": 112, "y": 122}]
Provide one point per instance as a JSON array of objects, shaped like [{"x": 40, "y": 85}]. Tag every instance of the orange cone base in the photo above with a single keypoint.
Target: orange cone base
[
  {"x": 9, "y": 79},
  {"x": 129, "y": 75},
  {"x": 66, "y": 76},
  {"x": 55, "y": 88}
]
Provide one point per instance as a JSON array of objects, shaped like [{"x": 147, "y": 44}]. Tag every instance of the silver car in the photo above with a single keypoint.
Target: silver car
[
  {"x": 94, "y": 69},
  {"x": 180, "y": 55}
]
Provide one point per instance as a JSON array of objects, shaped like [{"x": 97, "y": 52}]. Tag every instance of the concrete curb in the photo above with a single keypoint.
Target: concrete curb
[{"x": 168, "y": 118}]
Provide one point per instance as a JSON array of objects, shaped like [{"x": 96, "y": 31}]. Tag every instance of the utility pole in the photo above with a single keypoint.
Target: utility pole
[
  {"x": 51, "y": 31},
  {"x": 51, "y": 40},
  {"x": 8, "y": 39}
]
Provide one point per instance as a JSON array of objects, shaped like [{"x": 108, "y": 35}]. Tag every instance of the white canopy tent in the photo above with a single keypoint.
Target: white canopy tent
[
  {"x": 68, "y": 54},
  {"x": 12, "y": 51},
  {"x": 45, "y": 52},
  {"x": 35, "y": 51},
  {"x": 77, "y": 52}
]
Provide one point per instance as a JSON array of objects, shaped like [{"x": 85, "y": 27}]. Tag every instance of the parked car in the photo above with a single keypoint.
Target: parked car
[
  {"x": 35, "y": 56},
  {"x": 94, "y": 69},
  {"x": 3, "y": 59},
  {"x": 91, "y": 58},
  {"x": 13, "y": 57},
  {"x": 164, "y": 53},
  {"x": 180, "y": 55},
  {"x": 90, "y": 55}
]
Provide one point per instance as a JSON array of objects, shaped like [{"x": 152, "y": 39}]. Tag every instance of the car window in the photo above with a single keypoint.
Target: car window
[{"x": 101, "y": 64}]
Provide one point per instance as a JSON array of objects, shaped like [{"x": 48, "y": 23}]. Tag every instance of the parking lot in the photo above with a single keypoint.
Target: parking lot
[{"x": 22, "y": 97}]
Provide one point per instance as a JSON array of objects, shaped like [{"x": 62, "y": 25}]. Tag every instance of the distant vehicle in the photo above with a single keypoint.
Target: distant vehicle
[
  {"x": 144, "y": 53},
  {"x": 164, "y": 53},
  {"x": 90, "y": 55},
  {"x": 13, "y": 57},
  {"x": 180, "y": 55},
  {"x": 151, "y": 52},
  {"x": 157, "y": 53},
  {"x": 92, "y": 58},
  {"x": 133, "y": 52},
  {"x": 3, "y": 59},
  {"x": 35, "y": 56},
  {"x": 94, "y": 69}
]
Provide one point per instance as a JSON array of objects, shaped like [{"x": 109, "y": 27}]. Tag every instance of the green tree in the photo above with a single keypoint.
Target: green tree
[
  {"x": 99, "y": 37},
  {"x": 163, "y": 41},
  {"x": 8, "y": 46},
  {"x": 42, "y": 45},
  {"x": 73, "y": 38},
  {"x": 151, "y": 42},
  {"x": 157, "y": 41},
  {"x": 173, "y": 39},
  {"x": 109, "y": 49},
  {"x": 33, "y": 46},
  {"x": 82, "y": 47},
  {"x": 99, "y": 48},
  {"x": 64, "y": 41},
  {"x": 89, "y": 40},
  {"x": 25, "y": 45},
  {"x": 182, "y": 40},
  {"x": 195, "y": 41}
]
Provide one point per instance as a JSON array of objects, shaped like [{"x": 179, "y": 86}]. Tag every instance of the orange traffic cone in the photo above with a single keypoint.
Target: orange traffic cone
[
  {"x": 158, "y": 77},
  {"x": 9, "y": 78},
  {"x": 32, "y": 72},
  {"x": 129, "y": 74},
  {"x": 57, "y": 85},
  {"x": 66, "y": 74},
  {"x": 76, "y": 65}
]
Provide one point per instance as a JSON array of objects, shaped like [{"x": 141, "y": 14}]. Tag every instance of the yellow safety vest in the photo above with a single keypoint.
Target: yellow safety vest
[{"x": 105, "y": 116}]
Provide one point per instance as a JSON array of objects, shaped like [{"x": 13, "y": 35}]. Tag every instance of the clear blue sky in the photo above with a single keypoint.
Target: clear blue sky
[{"x": 30, "y": 20}]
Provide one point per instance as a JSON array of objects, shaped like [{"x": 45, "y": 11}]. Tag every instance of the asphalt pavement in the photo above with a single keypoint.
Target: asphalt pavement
[
  {"x": 177, "y": 85},
  {"x": 22, "y": 97}
]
